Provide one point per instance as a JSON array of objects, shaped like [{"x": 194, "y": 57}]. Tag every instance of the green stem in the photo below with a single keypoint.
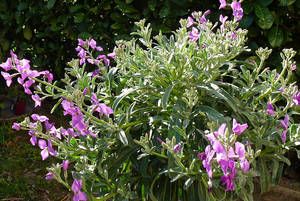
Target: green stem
[
  {"x": 48, "y": 84},
  {"x": 160, "y": 155}
]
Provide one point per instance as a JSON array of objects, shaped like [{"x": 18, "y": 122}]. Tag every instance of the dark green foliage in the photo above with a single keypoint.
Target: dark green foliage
[{"x": 46, "y": 31}]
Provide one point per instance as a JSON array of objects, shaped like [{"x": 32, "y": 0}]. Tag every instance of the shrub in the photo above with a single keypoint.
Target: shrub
[{"x": 183, "y": 117}]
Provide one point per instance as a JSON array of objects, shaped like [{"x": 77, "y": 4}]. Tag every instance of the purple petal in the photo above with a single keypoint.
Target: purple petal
[
  {"x": 283, "y": 136},
  {"x": 65, "y": 164},
  {"x": 44, "y": 154},
  {"x": 42, "y": 144},
  {"x": 240, "y": 149},
  {"x": 244, "y": 165}
]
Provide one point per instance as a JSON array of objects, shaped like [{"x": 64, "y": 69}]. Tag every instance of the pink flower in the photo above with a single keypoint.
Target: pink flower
[
  {"x": 78, "y": 194},
  {"x": 49, "y": 176},
  {"x": 46, "y": 149},
  {"x": 81, "y": 42},
  {"x": 37, "y": 100},
  {"x": 293, "y": 67},
  {"x": 7, "y": 78},
  {"x": 238, "y": 128},
  {"x": 92, "y": 43},
  {"x": 222, "y": 4},
  {"x": 65, "y": 164},
  {"x": 237, "y": 10},
  {"x": 7, "y": 65},
  {"x": 16, "y": 126},
  {"x": 194, "y": 34},
  {"x": 177, "y": 148},
  {"x": 203, "y": 19},
  {"x": 223, "y": 21},
  {"x": 190, "y": 23}
]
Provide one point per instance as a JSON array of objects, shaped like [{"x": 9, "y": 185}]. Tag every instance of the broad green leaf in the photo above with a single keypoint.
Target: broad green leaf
[
  {"x": 246, "y": 21},
  {"x": 165, "y": 97},
  {"x": 50, "y": 4},
  {"x": 265, "y": 2},
  {"x": 276, "y": 36},
  {"x": 286, "y": 2},
  {"x": 211, "y": 113},
  {"x": 265, "y": 18}
]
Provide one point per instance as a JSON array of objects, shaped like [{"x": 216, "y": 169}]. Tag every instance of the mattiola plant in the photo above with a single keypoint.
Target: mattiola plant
[{"x": 184, "y": 117}]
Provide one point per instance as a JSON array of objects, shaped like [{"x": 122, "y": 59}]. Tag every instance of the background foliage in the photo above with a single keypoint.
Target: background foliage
[{"x": 46, "y": 31}]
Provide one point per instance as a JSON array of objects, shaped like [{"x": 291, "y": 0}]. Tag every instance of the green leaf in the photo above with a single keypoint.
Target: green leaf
[
  {"x": 56, "y": 105},
  {"x": 129, "y": 1},
  {"x": 179, "y": 131},
  {"x": 122, "y": 137},
  {"x": 246, "y": 21},
  {"x": 286, "y": 2},
  {"x": 78, "y": 17},
  {"x": 188, "y": 183},
  {"x": 119, "y": 98},
  {"x": 265, "y": 18},
  {"x": 50, "y": 4},
  {"x": 211, "y": 113},
  {"x": 265, "y": 2},
  {"x": 276, "y": 36},
  {"x": 165, "y": 97}
]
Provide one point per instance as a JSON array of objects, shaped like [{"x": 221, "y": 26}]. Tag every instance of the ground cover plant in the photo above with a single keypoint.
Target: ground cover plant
[{"x": 183, "y": 117}]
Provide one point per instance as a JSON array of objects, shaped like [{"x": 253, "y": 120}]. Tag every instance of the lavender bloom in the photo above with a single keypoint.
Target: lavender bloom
[
  {"x": 37, "y": 100},
  {"x": 209, "y": 154},
  {"x": 222, "y": 4},
  {"x": 113, "y": 54},
  {"x": 33, "y": 140},
  {"x": 194, "y": 34},
  {"x": 238, "y": 128},
  {"x": 37, "y": 117},
  {"x": 159, "y": 140},
  {"x": 92, "y": 43},
  {"x": 293, "y": 67},
  {"x": 78, "y": 194},
  {"x": 27, "y": 85},
  {"x": 100, "y": 107},
  {"x": 283, "y": 136},
  {"x": 177, "y": 148},
  {"x": 65, "y": 164},
  {"x": 7, "y": 65},
  {"x": 16, "y": 126},
  {"x": 190, "y": 23},
  {"x": 49, "y": 176},
  {"x": 48, "y": 125},
  {"x": 85, "y": 91},
  {"x": 223, "y": 21},
  {"x": 270, "y": 109},
  {"x": 81, "y": 42},
  {"x": 296, "y": 99},
  {"x": 7, "y": 78},
  {"x": 46, "y": 149},
  {"x": 285, "y": 122},
  {"x": 203, "y": 19},
  {"x": 237, "y": 10},
  {"x": 99, "y": 48},
  {"x": 104, "y": 58}
]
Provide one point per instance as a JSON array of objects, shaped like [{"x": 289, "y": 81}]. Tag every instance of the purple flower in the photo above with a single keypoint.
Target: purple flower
[
  {"x": 203, "y": 19},
  {"x": 194, "y": 34},
  {"x": 48, "y": 125},
  {"x": 238, "y": 128},
  {"x": 176, "y": 148},
  {"x": 100, "y": 107},
  {"x": 37, "y": 117},
  {"x": 159, "y": 140},
  {"x": 37, "y": 100},
  {"x": 283, "y": 136},
  {"x": 49, "y": 176},
  {"x": 190, "y": 22},
  {"x": 92, "y": 43},
  {"x": 16, "y": 126},
  {"x": 237, "y": 10},
  {"x": 228, "y": 178},
  {"x": 81, "y": 42},
  {"x": 99, "y": 48},
  {"x": 223, "y": 21},
  {"x": 104, "y": 58},
  {"x": 78, "y": 194},
  {"x": 270, "y": 109},
  {"x": 113, "y": 54},
  {"x": 222, "y": 4},
  {"x": 285, "y": 122},
  {"x": 207, "y": 157},
  {"x": 292, "y": 67},
  {"x": 65, "y": 164},
  {"x": 33, "y": 140},
  {"x": 96, "y": 72},
  {"x": 14, "y": 57},
  {"x": 27, "y": 85},
  {"x": 233, "y": 35},
  {"x": 7, "y": 65},
  {"x": 296, "y": 99},
  {"x": 46, "y": 149},
  {"x": 85, "y": 91},
  {"x": 7, "y": 78}
]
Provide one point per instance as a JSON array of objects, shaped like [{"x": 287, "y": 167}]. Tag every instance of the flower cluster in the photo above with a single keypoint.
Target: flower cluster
[
  {"x": 26, "y": 75},
  {"x": 220, "y": 151},
  {"x": 84, "y": 46},
  {"x": 236, "y": 8}
]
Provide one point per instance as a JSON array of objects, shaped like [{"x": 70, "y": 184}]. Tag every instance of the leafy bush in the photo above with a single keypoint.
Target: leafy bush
[
  {"x": 45, "y": 31},
  {"x": 182, "y": 117}
]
